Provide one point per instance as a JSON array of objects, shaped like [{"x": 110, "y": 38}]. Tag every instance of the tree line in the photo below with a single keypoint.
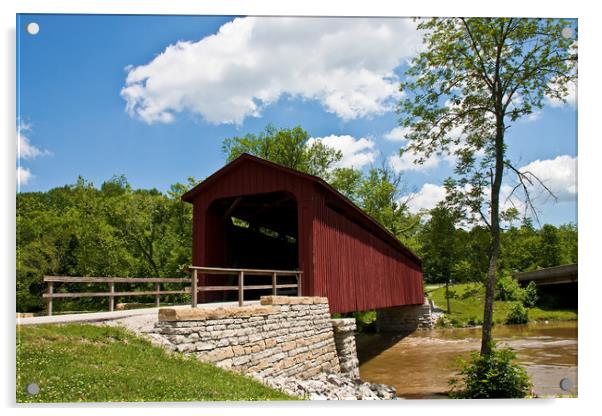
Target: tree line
[{"x": 114, "y": 230}]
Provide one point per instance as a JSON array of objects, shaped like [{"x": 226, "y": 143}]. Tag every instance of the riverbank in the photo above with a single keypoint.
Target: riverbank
[{"x": 466, "y": 304}]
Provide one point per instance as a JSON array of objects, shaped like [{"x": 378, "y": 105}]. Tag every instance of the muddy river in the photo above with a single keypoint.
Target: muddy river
[{"x": 419, "y": 365}]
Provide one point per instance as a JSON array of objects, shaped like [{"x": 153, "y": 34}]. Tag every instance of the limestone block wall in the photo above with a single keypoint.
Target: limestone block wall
[
  {"x": 284, "y": 336},
  {"x": 344, "y": 339},
  {"x": 406, "y": 318}
]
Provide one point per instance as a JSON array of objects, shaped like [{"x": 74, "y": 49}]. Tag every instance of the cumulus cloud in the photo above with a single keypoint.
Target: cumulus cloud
[
  {"x": 356, "y": 152},
  {"x": 26, "y": 150},
  {"x": 426, "y": 198},
  {"x": 24, "y": 175},
  {"x": 397, "y": 134},
  {"x": 345, "y": 64}
]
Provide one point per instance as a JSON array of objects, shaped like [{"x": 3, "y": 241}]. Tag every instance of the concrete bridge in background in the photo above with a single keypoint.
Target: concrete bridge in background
[
  {"x": 557, "y": 286},
  {"x": 566, "y": 273}
]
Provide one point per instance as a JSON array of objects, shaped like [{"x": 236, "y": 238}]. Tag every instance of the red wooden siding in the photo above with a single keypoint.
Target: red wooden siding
[
  {"x": 357, "y": 270},
  {"x": 343, "y": 254}
]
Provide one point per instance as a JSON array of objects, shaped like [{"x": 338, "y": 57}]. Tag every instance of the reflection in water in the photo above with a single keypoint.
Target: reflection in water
[{"x": 420, "y": 364}]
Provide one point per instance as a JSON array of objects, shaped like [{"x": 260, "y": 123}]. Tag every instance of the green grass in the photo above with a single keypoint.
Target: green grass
[
  {"x": 89, "y": 363},
  {"x": 467, "y": 308}
]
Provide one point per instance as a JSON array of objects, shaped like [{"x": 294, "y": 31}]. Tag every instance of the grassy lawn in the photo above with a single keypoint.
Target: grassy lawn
[
  {"x": 89, "y": 363},
  {"x": 467, "y": 306}
]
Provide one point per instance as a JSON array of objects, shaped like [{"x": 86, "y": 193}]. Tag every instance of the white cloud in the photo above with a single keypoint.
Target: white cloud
[
  {"x": 24, "y": 175},
  {"x": 427, "y": 198},
  {"x": 558, "y": 174},
  {"x": 405, "y": 162},
  {"x": 356, "y": 152},
  {"x": 398, "y": 134},
  {"x": 26, "y": 150},
  {"x": 345, "y": 64}
]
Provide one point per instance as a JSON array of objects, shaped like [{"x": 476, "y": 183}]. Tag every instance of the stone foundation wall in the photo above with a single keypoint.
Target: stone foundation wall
[
  {"x": 344, "y": 339},
  {"x": 406, "y": 318},
  {"x": 285, "y": 336}
]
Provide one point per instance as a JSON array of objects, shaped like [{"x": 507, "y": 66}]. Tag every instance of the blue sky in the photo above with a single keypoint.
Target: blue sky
[{"x": 106, "y": 95}]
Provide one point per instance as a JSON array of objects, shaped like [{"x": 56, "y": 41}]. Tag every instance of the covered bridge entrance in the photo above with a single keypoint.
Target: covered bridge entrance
[{"x": 259, "y": 215}]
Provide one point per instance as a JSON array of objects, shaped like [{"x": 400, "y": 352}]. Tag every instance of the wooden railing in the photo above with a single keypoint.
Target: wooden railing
[
  {"x": 240, "y": 287},
  {"x": 193, "y": 280},
  {"x": 111, "y": 294}
]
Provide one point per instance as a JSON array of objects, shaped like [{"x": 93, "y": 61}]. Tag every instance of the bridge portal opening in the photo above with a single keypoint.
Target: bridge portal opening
[{"x": 257, "y": 232}]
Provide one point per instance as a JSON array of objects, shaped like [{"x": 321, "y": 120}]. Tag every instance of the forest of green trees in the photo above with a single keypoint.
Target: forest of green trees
[{"x": 113, "y": 230}]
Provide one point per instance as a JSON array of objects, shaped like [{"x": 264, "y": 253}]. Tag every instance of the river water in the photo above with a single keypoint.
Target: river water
[{"x": 420, "y": 364}]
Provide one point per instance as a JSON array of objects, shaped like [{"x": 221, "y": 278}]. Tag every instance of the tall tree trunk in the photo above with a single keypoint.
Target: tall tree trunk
[
  {"x": 495, "y": 237},
  {"x": 447, "y": 295}
]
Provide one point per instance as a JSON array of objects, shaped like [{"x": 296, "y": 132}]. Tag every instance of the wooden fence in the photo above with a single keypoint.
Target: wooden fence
[
  {"x": 240, "y": 287},
  {"x": 193, "y": 280},
  {"x": 112, "y": 294}
]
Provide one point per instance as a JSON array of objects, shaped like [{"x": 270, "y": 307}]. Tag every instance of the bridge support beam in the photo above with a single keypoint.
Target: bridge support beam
[{"x": 406, "y": 318}]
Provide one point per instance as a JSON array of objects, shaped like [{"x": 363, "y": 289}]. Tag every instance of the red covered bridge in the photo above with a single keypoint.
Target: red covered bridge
[{"x": 257, "y": 214}]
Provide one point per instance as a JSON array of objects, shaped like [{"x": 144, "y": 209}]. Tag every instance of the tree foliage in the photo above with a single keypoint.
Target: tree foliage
[
  {"x": 288, "y": 147},
  {"x": 439, "y": 246}
]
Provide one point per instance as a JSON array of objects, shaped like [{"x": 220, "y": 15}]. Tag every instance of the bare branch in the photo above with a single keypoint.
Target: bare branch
[{"x": 526, "y": 179}]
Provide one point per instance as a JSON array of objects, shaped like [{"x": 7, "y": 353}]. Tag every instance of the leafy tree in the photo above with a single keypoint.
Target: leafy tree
[
  {"x": 347, "y": 181},
  {"x": 379, "y": 195},
  {"x": 473, "y": 262},
  {"x": 440, "y": 248},
  {"x": 288, "y": 147},
  {"x": 520, "y": 249},
  {"x": 530, "y": 296},
  {"x": 475, "y": 77},
  {"x": 568, "y": 236},
  {"x": 549, "y": 248}
]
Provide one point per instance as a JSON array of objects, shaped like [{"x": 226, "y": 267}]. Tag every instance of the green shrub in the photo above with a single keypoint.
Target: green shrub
[
  {"x": 508, "y": 289},
  {"x": 443, "y": 322},
  {"x": 517, "y": 314},
  {"x": 494, "y": 376},
  {"x": 473, "y": 320},
  {"x": 530, "y": 295},
  {"x": 455, "y": 322},
  {"x": 365, "y": 321}
]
